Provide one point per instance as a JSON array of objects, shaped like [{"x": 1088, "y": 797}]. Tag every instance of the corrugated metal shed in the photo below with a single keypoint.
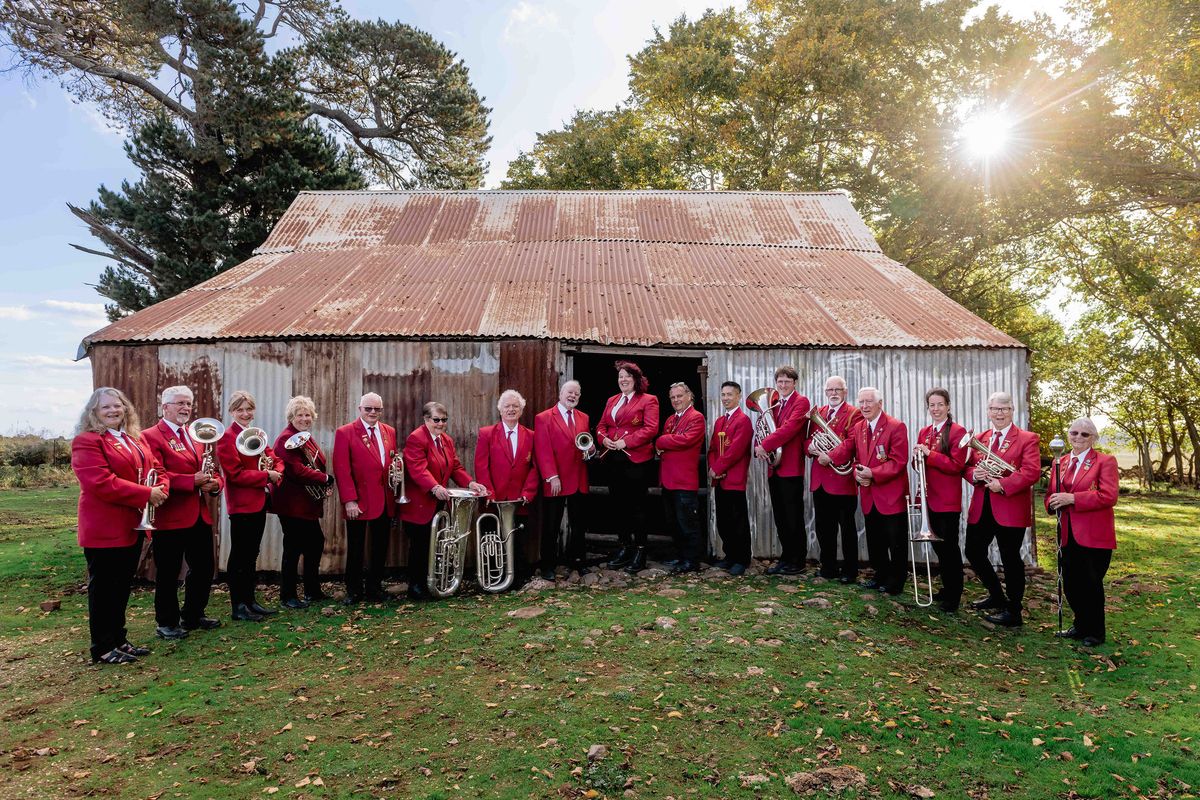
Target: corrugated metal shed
[{"x": 681, "y": 269}]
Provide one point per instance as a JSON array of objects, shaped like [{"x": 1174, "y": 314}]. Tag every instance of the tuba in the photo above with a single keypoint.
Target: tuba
[
  {"x": 494, "y": 557},
  {"x": 207, "y": 431},
  {"x": 825, "y": 440},
  {"x": 760, "y": 400},
  {"x": 147, "y": 523},
  {"x": 993, "y": 464},
  {"x": 253, "y": 442},
  {"x": 448, "y": 543},
  {"x": 302, "y": 440},
  {"x": 395, "y": 476},
  {"x": 918, "y": 513}
]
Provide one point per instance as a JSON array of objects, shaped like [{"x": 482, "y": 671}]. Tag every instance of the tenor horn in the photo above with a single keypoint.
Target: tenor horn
[
  {"x": 207, "y": 431},
  {"x": 826, "y": 440},
  {"x": 918, "y": 511},
  {"x": 760, "y": 400},
  {"x": 302, "y": 440},
  {"x": 495, "y": 538},
  {"x": 395, "y": 476},
  {"x": 448, "y": 543},
  {"x": 993, "y": 464},
  {"x": 253, "y": 442}
]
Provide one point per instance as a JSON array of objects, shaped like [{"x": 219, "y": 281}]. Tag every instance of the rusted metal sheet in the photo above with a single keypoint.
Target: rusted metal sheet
[{"x": 133, "y": 370}]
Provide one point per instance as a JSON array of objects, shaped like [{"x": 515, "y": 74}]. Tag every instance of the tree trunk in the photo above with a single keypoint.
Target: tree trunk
[{"x": 1176, "y": 446}]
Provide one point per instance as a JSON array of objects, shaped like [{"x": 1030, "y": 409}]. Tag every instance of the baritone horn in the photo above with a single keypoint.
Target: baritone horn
[
  {"x": 303, "y": 441},
  {"x": 147, "y": 522},
  {"x": 395, "y": 476},
  {"x": 495, "y": 538},
  {"x": 760, "y": 400},
  {"x": 993, "y": 464},
  {"x": 207, "y": 431},
  {"x": 918, "y": 512},
  {"x": 826, "y": 440},
  {"x": 253, "y": 442},
  {"x": 448, "y": 543}
]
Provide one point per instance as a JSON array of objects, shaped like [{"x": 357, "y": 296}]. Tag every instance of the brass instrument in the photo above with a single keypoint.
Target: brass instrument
[
  {"x": 207, "y": 431},
  {"x": 303, "y": 441},
  {"x": 147, "y": 522},
  {"x": 764, "y": 425},
  {"x": 494, "y": 557},
  {"x": 584, "y": 443},
  {"x": 993, "y": 464},
  {"x": 826, "y": 440},
  {"x": 253, "y": 442},
  {"x": 395, "y": 476},
  {"x": 918, "y": 511},
  {"x": 448, "y": 543}
]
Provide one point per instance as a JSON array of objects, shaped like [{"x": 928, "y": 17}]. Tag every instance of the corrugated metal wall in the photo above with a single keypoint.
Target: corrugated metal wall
[{"x": 902, "y": 375}]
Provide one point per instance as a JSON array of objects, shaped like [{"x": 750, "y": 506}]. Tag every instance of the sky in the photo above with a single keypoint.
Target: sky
[{"x": 535, "y": 62}]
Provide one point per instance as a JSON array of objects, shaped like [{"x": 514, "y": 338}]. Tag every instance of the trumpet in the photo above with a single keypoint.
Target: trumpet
[
  {"x": 207, "y": 431},
  {"x": 994, "y": 465},
  {"x": 253, "y": 442},
  {"x": 826, "y": 440},
  {"x": 495, "y": 537},
  {"x": 448, "y": 543},
  {"x": 395, "y": 476},
  {"x": 147, "y": 522},
  {"x": 302, "y": 440},
  {"x": 918, "y": 511},
  {"x": 760, "y": 400}
]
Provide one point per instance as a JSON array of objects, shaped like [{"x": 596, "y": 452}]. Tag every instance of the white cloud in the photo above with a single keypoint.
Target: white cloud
[
  {"x": 526, "y": 18},
  {"x": 16, "y": 312},
  {"x": 50, "y": 362},
  {"x": 70, "y": 305},
  {"x": 79, "y": 315}
]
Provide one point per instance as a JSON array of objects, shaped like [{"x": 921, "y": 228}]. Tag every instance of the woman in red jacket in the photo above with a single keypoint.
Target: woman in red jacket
[
  {"x": 626, "y": 430},
  {"x": 945, "y": 457},
  {"x": 299, "y": 500},
  {"x": 112, "y": 466}
]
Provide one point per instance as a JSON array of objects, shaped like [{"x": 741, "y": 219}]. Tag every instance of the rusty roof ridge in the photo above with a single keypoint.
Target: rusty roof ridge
[
  {"x": 708, "y": 192},
  {"x": 331, "y": 246}
]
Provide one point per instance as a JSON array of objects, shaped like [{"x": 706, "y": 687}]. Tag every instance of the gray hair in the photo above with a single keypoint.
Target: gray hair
[
  {"x": 837, "y": 378},
  {"x": 362, "y": 401},
  {"x": 172, "y": 392},
  {"x": 878, "y": 395},
  {"x": 510, "y": 393},
  {"x": 1087, "y": 424},
  {"x": 1003, "y": 397}
]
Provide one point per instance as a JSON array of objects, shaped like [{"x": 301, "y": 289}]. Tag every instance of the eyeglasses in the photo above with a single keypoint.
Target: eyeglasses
[
  {"x": 1082, "y": 434},
  {"x": 187, "y": 403},
  {"x": 999, "y": 408},
  {"x": 371, "y": 409},
  {"x": 439, "y": 419}
]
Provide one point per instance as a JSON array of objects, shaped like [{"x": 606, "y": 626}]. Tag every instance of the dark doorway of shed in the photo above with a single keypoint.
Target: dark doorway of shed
[{"x": 597, "y": 374}]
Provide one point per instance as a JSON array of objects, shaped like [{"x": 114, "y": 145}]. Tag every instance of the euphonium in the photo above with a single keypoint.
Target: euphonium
[
  {"x": 993, "y": 464},
  {"x": 395, "y": 476},
  {"x": 207, "y": 431},
  {"x": 760, "y": 400},
  {"x": 147, "y": 523},
  {"x": 919, "y": 509},
  {"x": 826, "y": 440},
  {"x": 303, "y": 441},
  {"x": 448, "y": 543},
  {"x": 253, "y": 442},
  {"x": 494, "y": 557}
]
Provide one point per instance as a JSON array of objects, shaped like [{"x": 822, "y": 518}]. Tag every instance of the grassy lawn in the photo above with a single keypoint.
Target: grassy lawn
[{"x": 744, "y": 686}]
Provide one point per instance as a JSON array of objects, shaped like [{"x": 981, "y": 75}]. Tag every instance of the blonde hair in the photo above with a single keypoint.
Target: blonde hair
[
  {"x": 89, "y": 420},
  {"x": 238, "y": 398},
  {"x": 300, "y": 403}
]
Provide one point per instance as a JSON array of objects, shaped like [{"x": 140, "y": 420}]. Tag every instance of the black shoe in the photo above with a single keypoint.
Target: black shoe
[
  {"x": 848, "y": 579},
  {"x": 638, "y": 562},
  {"x": 737, "y": 570},
  {"x": 351, "y": 600},
  {"x": 1091, "y": 641},
  {"x": 114, "y": 656},
  {"x": 940, "y": 594},
  {"x": 871, "y": 584},
  {"x": 948, "y": 607},
  {"x": 684, "y": 565},
  {"x": 622, "y": 558},
  {"x": 296, "y": 603},
  {"x": 547, "y": 574},
  {"x": 893, "y": 590},
  {"x": 316, "y": 597},
  {"x": 1069, "y": 633},
  {"x": 723, "y": 564},
  {"x": 133, "y": 650},
  {"x": 989, "y": 603},
  {"x": 204, "y": 624},
  {"x": 243, "y": 613},
  {"x": 170, "y": 632},
  {"x": 785, "y": 568},
  {"x": 828, "y": 574},
  {"x": 1006, "y": 618},
  {"x": 418, "y": 591},
  {"x": 266, "y": 612}
]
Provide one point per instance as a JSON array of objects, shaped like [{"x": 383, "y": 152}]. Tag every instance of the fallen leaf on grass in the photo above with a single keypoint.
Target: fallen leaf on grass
[{"x": 830, "y": 779}]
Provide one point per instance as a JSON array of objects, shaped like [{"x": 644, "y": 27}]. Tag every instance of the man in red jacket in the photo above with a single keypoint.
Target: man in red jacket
[
  {"x": 679, "y": 444},
  {"x": 834, "y": 496},
  {"x": 564, "y": 477},
  {"x": 879, "y": 446},
  {"x": 362, "y": 452},
  {"x": 728, "y": 466},
  {"x": 504, "y": 457},
  {"x": 1001, "y": 509},
  {"x": 785, "y": 480},
  {"x": 183, "y": 524}
]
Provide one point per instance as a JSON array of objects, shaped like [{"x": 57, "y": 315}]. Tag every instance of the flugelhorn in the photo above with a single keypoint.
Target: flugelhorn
[
  {"x": 207, "y": 431},
  {"x": 918, "y": 510},
  {"x": 448, "y": 543},
  {"x": 395, "y": 476},
  {"x": 495, "y": 538},
  {"x": 253, "y": 442},
  {"x": 147, "y": 522},
  {"x": 760, "y": 400},
  {"x": 302, "y": 440},
  {"x": 826, "y": 440},
  {"x": 992, "y": 464}
]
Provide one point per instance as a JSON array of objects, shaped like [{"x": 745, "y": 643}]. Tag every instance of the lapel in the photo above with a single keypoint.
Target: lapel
[
  {"x": 124, "y": 450},
  {"x": 176, "y": 444},
  {"x": 562, "y": 423}
]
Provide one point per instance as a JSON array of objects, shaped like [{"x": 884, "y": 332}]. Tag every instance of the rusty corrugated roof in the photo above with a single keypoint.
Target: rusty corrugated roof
[{"x": 633, "y": 268}]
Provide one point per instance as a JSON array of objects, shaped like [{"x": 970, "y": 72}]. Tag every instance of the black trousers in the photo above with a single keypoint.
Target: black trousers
[
  {"x": 170, "y": 548},
  {"x": 787, "y": 506},
  {"x": 681, "y": 507},
  {"x": 418, "y": 534},
  {"x": 552, "y": 515},
  {"x": 301, "y": 538},
  {"x": 627, "y": 486},
  {"x": 733, "y": 524},
  {"x": 1083, "y": 570},
  {"x": 834, "y": 513},
  {"x": 1008, "y": 540},
  {"x": 110, "y": 574},
  {"x": 380, "y": 530},
  {"x": 241, "y": 570},
  {"x": 887, "y": 548},
  {"x": 950, "y": 560}
]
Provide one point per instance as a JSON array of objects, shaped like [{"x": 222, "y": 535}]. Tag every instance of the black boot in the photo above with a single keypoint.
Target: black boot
[
  {"x": 638, "y": 562},
  {"x": 622, "y": 558}
]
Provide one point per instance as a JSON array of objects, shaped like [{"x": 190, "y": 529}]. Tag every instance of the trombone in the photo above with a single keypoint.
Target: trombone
[{"x": 918, "y": 511}]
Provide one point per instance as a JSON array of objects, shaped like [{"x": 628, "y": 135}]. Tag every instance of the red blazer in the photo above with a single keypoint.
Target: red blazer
[
  {"x": 637, "y": 421},
  {"x": 1090, "y": 519},
  {"x": 680, "y": 443},
  {"x": 887, "y": 455},
  {"x": 361, "y": 475},
  {"x": 729, "y": 451},
  {"x": 824, "y": 477},
  {"x": 290, "y": 498},
  {"x": 184, "y": 505},
  {"x": 790, "y": 434},
  {"x": 1014, "y": 507},
  {"x": 246, "y": 486},
  {"x": 507, "y": 478},
  {"x": 111, "y": 497},
  {"x": 555, "y": 453},
  {"x": 425, "y": 466},
  {"x": 943, "y": 473}
]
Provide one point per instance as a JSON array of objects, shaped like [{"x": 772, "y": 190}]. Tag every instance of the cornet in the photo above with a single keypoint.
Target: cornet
[
  {"x": 495, "y": 537},
  {"x": 991, "y": 463},
  {"x": 303, "y": 441},
  {"x": 253, "y": 442},
  {"x": 764, "y": 425},
  {"x": 207, "y": 431},
  {"x": 826, "y": 440},
  {"x": 147, "y": 523},
  {"x": 918, "y": 509}
]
